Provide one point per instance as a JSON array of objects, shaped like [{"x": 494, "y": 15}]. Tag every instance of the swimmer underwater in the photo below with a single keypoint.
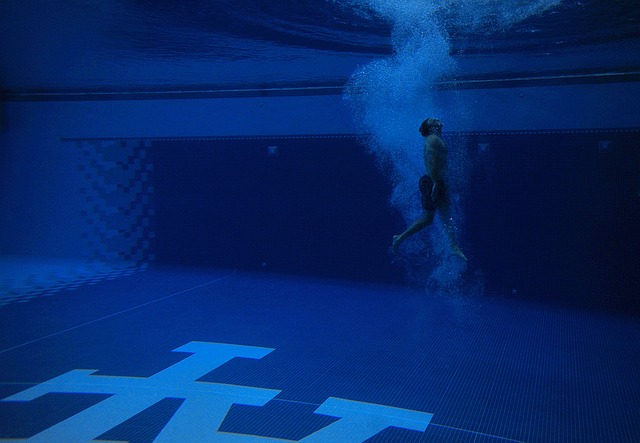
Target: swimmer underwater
[{"x": 433, "y": 187}]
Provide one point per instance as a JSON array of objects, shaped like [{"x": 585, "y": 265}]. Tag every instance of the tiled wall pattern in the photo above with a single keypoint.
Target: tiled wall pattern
[
  {"x": 117, "y": 194},
  {"x": 116, "y": 216}
]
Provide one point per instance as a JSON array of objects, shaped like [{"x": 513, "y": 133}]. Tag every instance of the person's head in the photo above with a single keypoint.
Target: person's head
[{"x": 430, "y": 126}]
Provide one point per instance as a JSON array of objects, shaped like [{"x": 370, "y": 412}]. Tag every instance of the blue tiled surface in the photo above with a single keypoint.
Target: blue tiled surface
[
  {"x": 117, "y": 195},
  {"x": 488, "y": 370},
  {"x": 25, "y": 278}
]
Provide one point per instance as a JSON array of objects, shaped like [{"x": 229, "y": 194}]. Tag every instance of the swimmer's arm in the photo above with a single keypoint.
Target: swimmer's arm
[
  {"x": 435, "y": 158},
  {"x": 435, "y": 190}
]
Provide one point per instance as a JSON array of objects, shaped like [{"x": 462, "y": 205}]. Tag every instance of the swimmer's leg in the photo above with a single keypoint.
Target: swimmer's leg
[
  {"x": 416, "y": 227},
  {"x": 448, "y": 227}
]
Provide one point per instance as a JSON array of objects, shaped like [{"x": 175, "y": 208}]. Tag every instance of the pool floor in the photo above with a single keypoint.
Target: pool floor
[{"x": 178, "y": 355}]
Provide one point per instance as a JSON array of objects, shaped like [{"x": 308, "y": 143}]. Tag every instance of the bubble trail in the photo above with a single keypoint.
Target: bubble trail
[{"x": 391, "y": 96}]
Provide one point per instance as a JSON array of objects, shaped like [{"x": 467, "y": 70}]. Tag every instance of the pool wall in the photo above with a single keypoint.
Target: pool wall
[{"x": 47, "y": 203}]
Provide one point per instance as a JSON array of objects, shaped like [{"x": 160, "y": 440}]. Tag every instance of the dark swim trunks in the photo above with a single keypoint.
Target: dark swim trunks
[{"x": 425, "y": 185}]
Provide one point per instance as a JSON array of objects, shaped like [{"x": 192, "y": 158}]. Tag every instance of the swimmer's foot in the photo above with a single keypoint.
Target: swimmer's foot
[
  {"x": 396, "y": 243},
  {"x": 458, "y": 253}
]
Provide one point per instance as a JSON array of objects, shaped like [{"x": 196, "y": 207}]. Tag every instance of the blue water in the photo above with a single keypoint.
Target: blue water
[
  {"x": 197, "y": 201},
  {"x": 210, "y": 43}
]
